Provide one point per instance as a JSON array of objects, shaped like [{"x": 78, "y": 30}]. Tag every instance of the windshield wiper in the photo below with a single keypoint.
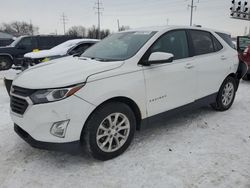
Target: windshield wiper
[{"x": 104, "y": 60}]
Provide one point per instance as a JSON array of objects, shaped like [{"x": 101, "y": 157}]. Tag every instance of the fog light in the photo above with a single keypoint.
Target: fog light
[{"x": 58, "y": 129}]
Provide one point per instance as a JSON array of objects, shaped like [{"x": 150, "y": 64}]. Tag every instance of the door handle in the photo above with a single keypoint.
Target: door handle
[
  {"x": 223, "y": 57},
  {"x": 189, "y": 66}
]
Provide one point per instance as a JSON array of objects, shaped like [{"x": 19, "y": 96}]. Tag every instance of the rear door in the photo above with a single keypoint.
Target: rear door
[{"x": 212, "y": 62}]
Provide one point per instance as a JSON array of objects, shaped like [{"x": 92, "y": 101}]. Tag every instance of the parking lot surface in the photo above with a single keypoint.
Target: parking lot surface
[{"x": 200, "y": 148}]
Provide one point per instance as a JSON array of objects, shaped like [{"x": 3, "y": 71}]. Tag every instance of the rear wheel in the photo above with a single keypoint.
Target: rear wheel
[
  {"x": 5, "y": 63},
  {"x": 110, "y": 130},
  {"x": 226, "y": 95}
]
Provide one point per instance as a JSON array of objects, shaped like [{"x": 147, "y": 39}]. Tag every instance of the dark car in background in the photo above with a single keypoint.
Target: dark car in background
[{"x": 13, "y": 54}]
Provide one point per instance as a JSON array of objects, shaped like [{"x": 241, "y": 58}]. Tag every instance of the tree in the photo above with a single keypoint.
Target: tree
[
  {"x": 93, "y": 33},
  {"x": 19, "y": 28},
  {"x": 77, "y": 31},
  {"x": 105, "y": 33},
  {"x": 124, "y": 28}
]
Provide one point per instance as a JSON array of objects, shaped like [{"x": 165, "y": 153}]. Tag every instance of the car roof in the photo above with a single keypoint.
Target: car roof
[
  {"x": 170, "y": 27},
  {"x": 83, "y": 40}
]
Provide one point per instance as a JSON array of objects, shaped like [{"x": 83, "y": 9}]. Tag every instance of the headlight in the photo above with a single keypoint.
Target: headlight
[{"x": 51, "y": 95}]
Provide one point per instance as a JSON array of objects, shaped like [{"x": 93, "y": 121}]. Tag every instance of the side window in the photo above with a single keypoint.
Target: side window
[
  {"x": 26, "y": 42},
  {"x": 217, "y": 45},
  {"x": 174, "y": 42},
  {"x": 202, "y": 41}
]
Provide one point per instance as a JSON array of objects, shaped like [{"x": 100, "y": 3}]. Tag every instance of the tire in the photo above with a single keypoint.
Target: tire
[
  {"x": 5, "y": 63},
  {"x": 226, "y": 95},
  {"x": 102, "y": 137}
]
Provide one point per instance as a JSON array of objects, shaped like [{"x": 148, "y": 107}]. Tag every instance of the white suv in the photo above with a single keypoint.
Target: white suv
[{"x": 128, "y": 79}]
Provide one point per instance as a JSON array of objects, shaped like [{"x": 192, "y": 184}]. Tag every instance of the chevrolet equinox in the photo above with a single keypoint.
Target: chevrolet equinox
[{"x": 100, "y": 99}]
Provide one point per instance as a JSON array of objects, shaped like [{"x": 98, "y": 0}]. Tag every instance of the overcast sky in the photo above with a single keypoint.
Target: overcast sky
[{"x": 134, "y": 13}]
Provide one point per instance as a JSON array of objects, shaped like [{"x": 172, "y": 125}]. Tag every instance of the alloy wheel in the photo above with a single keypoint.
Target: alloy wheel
[
  {"x": 228, "y": 94},
  {"x": 113, "y": 132}
]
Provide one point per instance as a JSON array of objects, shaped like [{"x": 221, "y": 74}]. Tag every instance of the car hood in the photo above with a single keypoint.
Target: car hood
[
  {"x": 6, "y": 49},
  {"x": 62, "y": 72}
]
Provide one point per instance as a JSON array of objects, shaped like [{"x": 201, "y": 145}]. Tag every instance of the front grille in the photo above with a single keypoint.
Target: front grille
[
  {"x": 22, "y": 91},
  {"x": 18, "y": 105}
]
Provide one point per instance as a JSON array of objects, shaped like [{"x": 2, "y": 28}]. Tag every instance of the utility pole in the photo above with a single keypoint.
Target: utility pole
[
  {"x": 64, "y": 20},
  {"x": 167, "y": 21},
  {"x": 99, "y": 9},
  {"x": 192, "y": 7},
  {"x": 118, "y": 24}
]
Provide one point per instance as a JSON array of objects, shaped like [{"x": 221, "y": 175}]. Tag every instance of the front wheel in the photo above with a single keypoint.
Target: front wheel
[
  {"x": 5, "y": 63},
  {"x": 109, "y": 130},
  {"x": 226, "y": 95}
]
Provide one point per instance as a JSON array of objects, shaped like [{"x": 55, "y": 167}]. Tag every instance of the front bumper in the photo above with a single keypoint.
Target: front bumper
[
  {"x": 71, "y": 147},
  {"x": 38, "y": 120}
]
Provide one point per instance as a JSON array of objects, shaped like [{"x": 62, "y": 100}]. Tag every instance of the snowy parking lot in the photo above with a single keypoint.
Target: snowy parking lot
[{"x": 201, "y": 148}]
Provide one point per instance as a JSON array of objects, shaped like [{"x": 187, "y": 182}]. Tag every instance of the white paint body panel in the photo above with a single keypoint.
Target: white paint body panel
[{"x": 155, "y": 88}]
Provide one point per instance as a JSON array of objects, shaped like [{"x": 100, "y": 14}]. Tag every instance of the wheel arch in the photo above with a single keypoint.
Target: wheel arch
[
  {"x": 6, "y": 55},
  {"x": 235, "y": 77},
  {"x": 132, "y": 104}
]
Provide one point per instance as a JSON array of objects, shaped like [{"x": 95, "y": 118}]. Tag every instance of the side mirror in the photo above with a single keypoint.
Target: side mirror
[
  {"x": 160, "y": 58},
  {"x": 242, "y": 43}
]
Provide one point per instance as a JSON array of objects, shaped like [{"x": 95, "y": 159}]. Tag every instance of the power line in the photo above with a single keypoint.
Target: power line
[
  {"x": 192, "y": 7},
  {"x": 64, "y": 20},
  {"x": 99, "y": 8}
]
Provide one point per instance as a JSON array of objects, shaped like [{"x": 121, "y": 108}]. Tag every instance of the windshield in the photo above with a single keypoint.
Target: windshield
[
  {"x": 15, "y": 42},
  {"x": 119, "y": 46}
]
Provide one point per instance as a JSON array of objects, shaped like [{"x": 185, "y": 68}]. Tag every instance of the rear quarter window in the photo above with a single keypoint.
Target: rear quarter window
[
  {"x": 202, "y": 42},
  {"x": 217, "y": 45},
  {"x": 227, "y": 38}
]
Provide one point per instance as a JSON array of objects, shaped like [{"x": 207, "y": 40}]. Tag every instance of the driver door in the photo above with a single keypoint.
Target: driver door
[
  {"x": 27, "y": 44},
  {"x": 170, "y": 85}
]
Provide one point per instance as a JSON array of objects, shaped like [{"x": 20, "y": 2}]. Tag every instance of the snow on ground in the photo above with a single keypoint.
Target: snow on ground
[{"x": 199, "y": 149}]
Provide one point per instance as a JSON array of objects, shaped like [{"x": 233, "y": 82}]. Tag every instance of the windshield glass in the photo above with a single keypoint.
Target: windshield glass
[
  {"x": 119, "y": 46},
  {"x": 15, "y": 42}
]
